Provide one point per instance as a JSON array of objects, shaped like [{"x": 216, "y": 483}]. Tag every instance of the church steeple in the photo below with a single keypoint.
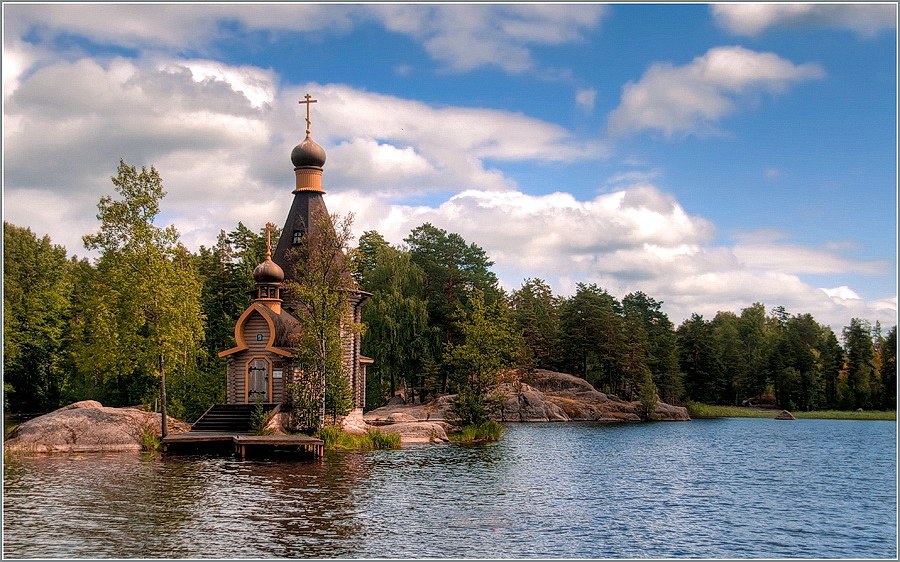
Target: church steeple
[
  {"x": 263, "y": 361},
  {"x": 269, "y": 276},
  {"x": 308, "y": 159}
]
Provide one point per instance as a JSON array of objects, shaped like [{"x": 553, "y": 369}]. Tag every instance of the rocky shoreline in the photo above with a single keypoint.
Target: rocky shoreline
[
  {"x": 550, "y": 397},
  {"x": 88, "y": 426}
]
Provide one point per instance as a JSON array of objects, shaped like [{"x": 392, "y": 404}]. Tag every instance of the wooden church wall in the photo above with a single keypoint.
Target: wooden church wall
[{"x": 256, "y": 335}]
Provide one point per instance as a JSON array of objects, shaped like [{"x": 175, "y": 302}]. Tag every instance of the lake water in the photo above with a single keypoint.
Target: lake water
[{"x": 725, "y": 488}]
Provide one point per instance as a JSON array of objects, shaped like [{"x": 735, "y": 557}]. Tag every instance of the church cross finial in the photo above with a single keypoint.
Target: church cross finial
[
  {"x": 269, "y": 229},
  {"x": 308, "y": 101}
]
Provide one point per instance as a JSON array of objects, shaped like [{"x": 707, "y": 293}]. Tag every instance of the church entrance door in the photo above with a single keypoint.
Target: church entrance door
[{"x": 258, "y": 381}]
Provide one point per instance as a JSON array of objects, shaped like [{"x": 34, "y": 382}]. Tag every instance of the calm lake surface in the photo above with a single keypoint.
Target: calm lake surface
[{"x": 725, "y": 488}]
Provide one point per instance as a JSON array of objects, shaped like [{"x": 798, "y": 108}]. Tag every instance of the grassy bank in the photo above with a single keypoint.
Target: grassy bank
[
  {"x": 338, "y": 440},
  {"x": 698, "y": 410},
  {"x": 486, "y": 432}
]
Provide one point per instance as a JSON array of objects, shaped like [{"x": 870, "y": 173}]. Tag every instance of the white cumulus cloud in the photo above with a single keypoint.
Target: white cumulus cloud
[
  {"x": 693, "y": 98},
  {"x": 754, "y": 18},
  {"x": 461, "y": 37},
  {"x": 469, "y": 36},
  {"x": 221, "y": 137},
  {"x": 635, "y": 238}
]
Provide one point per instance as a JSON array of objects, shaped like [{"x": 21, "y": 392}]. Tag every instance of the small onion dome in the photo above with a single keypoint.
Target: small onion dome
[
  {"x": 308, "y": 153},
  {"x": 268, "y": 272}
]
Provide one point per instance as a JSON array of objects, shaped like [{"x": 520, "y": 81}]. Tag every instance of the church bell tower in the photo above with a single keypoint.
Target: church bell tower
[{"x": 308, "y": 159}]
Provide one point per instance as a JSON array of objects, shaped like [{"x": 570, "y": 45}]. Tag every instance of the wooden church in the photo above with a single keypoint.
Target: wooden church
[{"x": 262, "y": 362}]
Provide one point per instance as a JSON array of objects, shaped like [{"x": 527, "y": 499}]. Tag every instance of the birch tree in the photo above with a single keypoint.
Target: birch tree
[
  {"x": 146, "y": 294},
  {"x": 320, "y": 288}
]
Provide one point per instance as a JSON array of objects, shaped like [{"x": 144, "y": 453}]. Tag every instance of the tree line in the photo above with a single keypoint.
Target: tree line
[
  {"x": 423, "y": 296},
  {"x": 438, "y": 322}
]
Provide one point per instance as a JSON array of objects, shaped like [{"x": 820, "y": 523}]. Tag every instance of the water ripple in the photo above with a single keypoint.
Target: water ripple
[{"x": 704, "y": 489}]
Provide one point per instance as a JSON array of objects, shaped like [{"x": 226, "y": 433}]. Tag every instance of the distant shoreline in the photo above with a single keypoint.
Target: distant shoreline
[{"x": 706, "y": 411}]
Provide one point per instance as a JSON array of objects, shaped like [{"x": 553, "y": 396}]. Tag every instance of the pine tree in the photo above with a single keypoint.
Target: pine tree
[
  {"x": 662, "y": 349},
  {"x": 592, "y": 332},
  {"x": 454, "y": 270},
  {"x": 490, "y": 345},
  {"x": 860, "y": 353},
  {"x": 832, "y": 363},
  {"x": 536, "y": 313},
  {"x": 698, "y": 358},
  {"x": 888, "y": 374}
]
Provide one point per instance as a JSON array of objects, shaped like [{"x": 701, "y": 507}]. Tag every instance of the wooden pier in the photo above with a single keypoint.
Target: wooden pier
[{"x": 244, "y": 443}]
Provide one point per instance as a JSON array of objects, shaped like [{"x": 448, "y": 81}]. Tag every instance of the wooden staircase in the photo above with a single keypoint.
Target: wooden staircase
[{"x": 228, "y": 418}]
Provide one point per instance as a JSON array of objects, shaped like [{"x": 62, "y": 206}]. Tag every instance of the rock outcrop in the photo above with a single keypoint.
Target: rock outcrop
[
  {"x": 88, "y": 426},
  {"x": 435, "y": 410},
  {"x": 541, "y": 396},
  {"x": 418, "y": 431}
]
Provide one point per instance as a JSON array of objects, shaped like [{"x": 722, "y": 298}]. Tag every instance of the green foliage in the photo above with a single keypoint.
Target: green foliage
[
  {"x": 259, "y": 419},
  {"x": 366, "y": 257},
  {"x": 398, "y": 336},
  {"x": 337, "y": 439},
  {"x": 593, "y": 330},
  {"x": 699, "y": 360},
  {"x": 660, "y": 347},
  {"x": 488, "y": 431},
  {"x": 860, "y": 369},
  {"x": 536, "y": 313},
  {"x": 321, "y": 286},
  {"x": 149, "y": 440},
  {"x": 733, "y": 359},
  {"x": 473, "y": 405},
  {"x": 142, "y": 317},
  {"x": 491, "y": 344},
  {"x": 37, "y": 289},
  {"x": 331, "y": 435},
  {"x": 7, "y": 391},
  {"x": 752, "y": 379},
  {"x": 303, "y": 402},
  {"x": 831, "y": 357},
  {"x": 888, "y": 372},
  {"x": 454, "y": 270},
  {"x": 148, "y": 308},
  {"x": 383, "y": 440},
  {"x": 698, "y": 410}
]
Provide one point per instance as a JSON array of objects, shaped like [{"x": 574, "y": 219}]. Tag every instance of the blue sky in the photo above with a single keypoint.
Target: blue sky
[{"x": 710, "y": 155}]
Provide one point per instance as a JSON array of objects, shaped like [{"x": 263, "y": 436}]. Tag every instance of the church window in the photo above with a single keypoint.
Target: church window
[
  {"x": 258, "y": 337},
  {"x": 297, "y": 237}
]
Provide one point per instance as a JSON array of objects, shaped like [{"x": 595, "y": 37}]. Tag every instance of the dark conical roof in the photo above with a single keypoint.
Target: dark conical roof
[{"x": 308, "y": 153}]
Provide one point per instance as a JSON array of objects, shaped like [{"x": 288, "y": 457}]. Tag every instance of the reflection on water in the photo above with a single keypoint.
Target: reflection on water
[{"x": 708, "y": 488}]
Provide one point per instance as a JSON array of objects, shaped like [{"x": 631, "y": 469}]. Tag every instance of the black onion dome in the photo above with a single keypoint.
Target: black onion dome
[
  {"x": 268, "y": 272},
  {"x": 308, "y": 153}
]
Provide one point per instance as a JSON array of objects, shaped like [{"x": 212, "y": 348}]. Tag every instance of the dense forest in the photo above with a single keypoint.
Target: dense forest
[{"x": 148, "y": 307}]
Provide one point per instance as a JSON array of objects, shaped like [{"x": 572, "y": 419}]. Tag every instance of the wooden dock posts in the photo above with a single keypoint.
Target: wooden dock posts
[
  {"x": 303, "y": 442},
  {"x": 244, "y": 443}
]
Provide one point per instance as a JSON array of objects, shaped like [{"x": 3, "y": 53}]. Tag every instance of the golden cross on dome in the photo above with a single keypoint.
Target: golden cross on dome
[
  {"x": 308, "y": 101},
  {"x": 269, "y": 229}
]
